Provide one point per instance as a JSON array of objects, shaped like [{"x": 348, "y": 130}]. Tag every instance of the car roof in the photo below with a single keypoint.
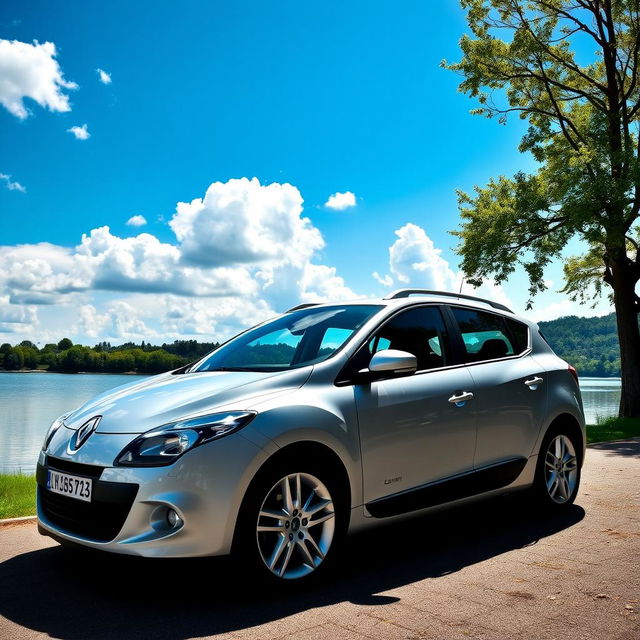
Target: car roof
[{"x": 404, "y": 297}]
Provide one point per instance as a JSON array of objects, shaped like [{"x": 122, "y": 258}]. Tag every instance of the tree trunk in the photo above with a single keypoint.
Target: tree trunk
[{"x": 623, "y": 283}]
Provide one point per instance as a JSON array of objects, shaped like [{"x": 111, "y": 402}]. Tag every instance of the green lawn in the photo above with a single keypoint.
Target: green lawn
[
  {"x": 613, "y": 429},
  {"x": 18, "y": 492},
  {"x": 17, "y": 495}
]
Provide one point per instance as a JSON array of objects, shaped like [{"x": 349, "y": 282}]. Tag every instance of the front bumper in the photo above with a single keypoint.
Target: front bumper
[{"x": 129, "y": 505}]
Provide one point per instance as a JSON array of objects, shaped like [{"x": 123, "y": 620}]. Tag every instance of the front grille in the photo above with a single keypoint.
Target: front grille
[
  {"x": 99, "y": 520},
  {"x": 77, "y": 468}
]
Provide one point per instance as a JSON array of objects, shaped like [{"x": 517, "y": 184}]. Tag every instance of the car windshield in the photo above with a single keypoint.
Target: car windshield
[{"x": 295, "y": 339}]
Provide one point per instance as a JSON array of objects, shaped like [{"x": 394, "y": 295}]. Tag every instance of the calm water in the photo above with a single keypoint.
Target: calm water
[{"x": 30, "y": 402}]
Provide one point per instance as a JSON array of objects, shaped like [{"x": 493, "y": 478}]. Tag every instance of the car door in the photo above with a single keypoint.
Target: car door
[
  {"x": 412, "y": 432},
  {"x": 510, "y": 386}
]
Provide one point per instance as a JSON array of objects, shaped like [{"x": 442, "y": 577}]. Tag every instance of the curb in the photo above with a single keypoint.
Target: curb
[{"x": 7, "y": 522}]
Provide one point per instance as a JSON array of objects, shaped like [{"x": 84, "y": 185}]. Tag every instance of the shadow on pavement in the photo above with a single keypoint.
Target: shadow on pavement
[
  {"x": 620, "y": 447},
  {"x": 79, "y": 595}
]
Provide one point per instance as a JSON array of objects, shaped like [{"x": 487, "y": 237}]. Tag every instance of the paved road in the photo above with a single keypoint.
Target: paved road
[{"x": 491, "y": 571}]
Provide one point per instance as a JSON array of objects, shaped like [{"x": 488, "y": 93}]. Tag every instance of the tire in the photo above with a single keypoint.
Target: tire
[
  {"x": 292, "y": 523},
  {"x": 558, "y": 471}
]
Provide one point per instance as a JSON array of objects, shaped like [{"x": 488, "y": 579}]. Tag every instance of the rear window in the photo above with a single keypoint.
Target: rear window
[
  {"x": 488, "y": 336},
  {"x": 519, "y": 334}
]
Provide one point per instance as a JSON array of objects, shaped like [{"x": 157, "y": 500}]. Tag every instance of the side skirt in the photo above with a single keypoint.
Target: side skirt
[{"x": 442, "y": 491}]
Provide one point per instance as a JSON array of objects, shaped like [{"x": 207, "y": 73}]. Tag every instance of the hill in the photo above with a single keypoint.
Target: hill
[{"x": 589, "y": 344}]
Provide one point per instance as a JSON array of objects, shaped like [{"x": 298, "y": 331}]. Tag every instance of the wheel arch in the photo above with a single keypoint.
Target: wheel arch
[
  {"x": 320, "y": 453},
  {"x": 570, "y": 425}
]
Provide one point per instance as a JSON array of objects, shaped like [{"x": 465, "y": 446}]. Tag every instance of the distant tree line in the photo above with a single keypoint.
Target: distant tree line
[
  {"x": 67, "y": 357},
  {"x": 589, "y": 344}
]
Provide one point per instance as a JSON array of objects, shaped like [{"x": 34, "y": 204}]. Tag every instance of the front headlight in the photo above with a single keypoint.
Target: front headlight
[
  {"x": 55, "y": 425},
  {"x": 164, "y": 445}
]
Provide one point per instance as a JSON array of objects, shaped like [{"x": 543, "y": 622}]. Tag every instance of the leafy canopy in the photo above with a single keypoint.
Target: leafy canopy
[{"x": 526, "y": 57}]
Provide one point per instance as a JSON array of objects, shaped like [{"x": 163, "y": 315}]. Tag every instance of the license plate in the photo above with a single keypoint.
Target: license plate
[{"x": 70, "y": 486}]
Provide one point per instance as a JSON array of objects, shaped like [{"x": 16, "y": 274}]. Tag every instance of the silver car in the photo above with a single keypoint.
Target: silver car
[{"x": 325, "y": 420}]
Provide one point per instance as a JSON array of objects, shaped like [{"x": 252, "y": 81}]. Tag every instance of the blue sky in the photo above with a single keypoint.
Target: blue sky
[{"x": 326, "y": 97}]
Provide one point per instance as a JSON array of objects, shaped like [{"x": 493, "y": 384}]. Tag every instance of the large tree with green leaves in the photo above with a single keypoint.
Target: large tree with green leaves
[{"x": 570, "y": 68}]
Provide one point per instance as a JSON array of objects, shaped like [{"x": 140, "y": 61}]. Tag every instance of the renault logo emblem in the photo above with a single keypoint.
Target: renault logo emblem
[{"x": 83, "y": 433}]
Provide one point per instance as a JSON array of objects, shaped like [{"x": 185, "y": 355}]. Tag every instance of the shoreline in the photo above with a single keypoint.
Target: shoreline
[{"x": 75, "y": 373}]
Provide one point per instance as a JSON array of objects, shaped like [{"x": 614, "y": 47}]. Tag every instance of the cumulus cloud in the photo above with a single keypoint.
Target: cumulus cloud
[
  {"x": 103, "y": 76},
  {"x": 415, "y": 262},
  {"x": 385, "y": 281},
  {"x": 15, "y": 318},
  {"x": 31, "y": 71},
  {"x": 242, "y": 221},
  {"x": 42, "y": 273},
  {"x": 201, "y": 318},
  {"x": 11, "y": 184},
  {"x": 80, "y": 133},
  {"x": 340, "y": 201},
  {"x": 136, "y": 221},
  {"x": 243, "y": 252},
  {"x": 144, "y": 264}
]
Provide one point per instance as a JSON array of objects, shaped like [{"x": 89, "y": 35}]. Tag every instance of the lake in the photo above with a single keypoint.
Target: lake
[{"x": 30, "y": 402}]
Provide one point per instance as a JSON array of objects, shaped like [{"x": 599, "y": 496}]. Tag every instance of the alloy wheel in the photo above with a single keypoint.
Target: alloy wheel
[
  {"x": 561, "y": 469},
  {"x": 295, "y": 526}
]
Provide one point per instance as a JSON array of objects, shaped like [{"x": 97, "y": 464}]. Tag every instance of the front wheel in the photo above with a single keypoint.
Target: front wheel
[
  {"x": 558, "y": 471},
  {"x": 291, "y": 525}
]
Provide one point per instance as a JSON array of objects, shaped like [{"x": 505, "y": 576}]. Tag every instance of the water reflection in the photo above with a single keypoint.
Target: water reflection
[{"x": 600, "y": 397}]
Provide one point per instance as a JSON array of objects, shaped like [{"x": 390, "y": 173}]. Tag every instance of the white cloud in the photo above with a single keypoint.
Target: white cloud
[
  {"x": 202, "y": 318},
  {"x": 242, "y": 221},
  {"x": 385, "y": 281},
  {"x": 15, "y": 318},
  {"x": 104, "y": 77},
  {"x": 31, "y": 71},
  {"x": 12, "y": 185},
  {"x": 144, "y": 264},
  {"x": 90, "y": 323},
  {"x": 137, "y": 221},
  {"x": 120, "y": 321},
  {"x": 242, "y": 253},
  {"x": 340, "y": 201},
  {"x": 414, "y": 261},
  {"x": 81, "y": 133},
  {"x": 45, "y": 273}
]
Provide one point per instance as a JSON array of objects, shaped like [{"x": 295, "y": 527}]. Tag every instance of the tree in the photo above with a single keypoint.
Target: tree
[
  {"x": 583, "y": 133},
  {"x": 65, "y": 344},
  {"x": 14, "y": 359}
]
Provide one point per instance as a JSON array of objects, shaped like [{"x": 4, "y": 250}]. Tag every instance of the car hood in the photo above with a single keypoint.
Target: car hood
[{"x": 155, "y": 401}]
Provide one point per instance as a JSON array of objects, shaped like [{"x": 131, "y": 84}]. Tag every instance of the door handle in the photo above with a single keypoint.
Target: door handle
[
  {"x": 461, "y": 399},
  {"x": 533, "y": 383}
]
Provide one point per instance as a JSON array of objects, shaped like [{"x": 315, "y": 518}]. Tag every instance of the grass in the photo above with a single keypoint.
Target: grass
[
  {"x": 17, "y": 495},
  {"x": 613, "y": 428},
  {"x": 18, "y": 491}
]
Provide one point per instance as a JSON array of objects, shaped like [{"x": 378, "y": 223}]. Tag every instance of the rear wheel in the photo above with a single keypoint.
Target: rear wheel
[
  {"x": 558, "y": 471},
  {"x": 293, "y": 520}
]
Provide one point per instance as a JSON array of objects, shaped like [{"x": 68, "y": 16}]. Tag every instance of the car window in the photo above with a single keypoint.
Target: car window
[
  {"x": 519, "y": 334},
  {"x": 301, "y": 337},
  {"x": 419, "y": 331},
  {"x": 378, "y": 343},
  {"x": 485, "y": 335}
]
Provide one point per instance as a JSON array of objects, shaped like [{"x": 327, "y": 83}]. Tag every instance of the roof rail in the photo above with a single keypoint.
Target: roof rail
[
  {"x": 302, "y": 306},
  {"x": 405, "y": 293}
]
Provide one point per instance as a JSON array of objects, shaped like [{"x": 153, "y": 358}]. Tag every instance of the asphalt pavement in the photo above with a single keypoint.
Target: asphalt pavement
[{"x": 494, "y": 570}]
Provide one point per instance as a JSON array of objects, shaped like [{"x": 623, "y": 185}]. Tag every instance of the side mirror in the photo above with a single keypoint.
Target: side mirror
[{"x": 390, "y": 361}]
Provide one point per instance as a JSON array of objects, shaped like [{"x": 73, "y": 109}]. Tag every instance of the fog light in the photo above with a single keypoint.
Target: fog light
[{"x": 173, "y": 519}]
